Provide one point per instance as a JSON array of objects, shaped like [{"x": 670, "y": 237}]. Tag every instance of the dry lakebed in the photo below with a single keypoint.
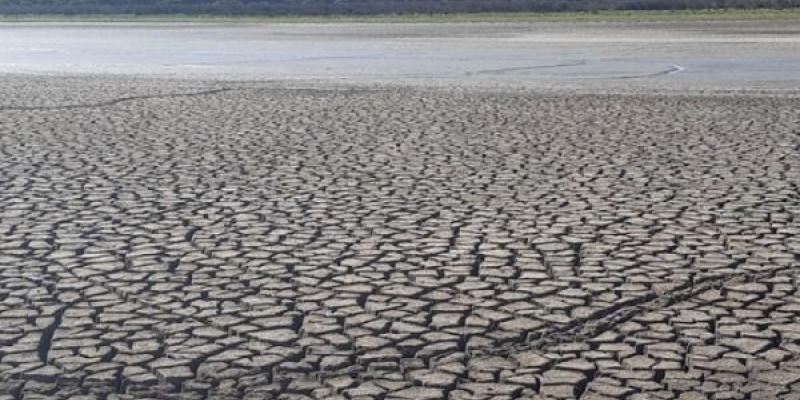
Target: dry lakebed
[{"x": 402, "y": 211}]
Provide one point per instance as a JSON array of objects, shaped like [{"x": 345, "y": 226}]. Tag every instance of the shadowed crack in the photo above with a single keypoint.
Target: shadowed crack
[{"x": 46, "y": 340}]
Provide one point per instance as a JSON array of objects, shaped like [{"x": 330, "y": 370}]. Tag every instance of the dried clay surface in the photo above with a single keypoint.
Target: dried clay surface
[{"x": 191, "y": 240}]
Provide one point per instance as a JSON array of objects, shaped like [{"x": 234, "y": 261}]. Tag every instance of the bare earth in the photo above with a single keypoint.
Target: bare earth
[
  {"x": 719, "y": 55},
  {"x": 219, "y": 239}
]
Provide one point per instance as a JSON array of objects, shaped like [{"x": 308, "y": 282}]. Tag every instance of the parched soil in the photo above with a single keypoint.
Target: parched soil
[{"x": 188, "y": 240}]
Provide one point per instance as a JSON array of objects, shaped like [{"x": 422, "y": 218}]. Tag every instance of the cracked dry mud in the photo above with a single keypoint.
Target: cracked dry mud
[{"x": 174, "y": 240}]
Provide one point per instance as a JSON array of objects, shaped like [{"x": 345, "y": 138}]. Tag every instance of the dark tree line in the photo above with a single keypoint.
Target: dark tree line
[{"x": 362, "y": 7}]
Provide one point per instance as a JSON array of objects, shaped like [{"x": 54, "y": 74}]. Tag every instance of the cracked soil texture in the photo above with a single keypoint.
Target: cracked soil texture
[{"x": 178, "y": 240}]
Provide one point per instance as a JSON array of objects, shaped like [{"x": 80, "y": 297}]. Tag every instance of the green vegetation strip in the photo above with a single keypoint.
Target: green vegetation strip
[{"x": 600, "y": 16}]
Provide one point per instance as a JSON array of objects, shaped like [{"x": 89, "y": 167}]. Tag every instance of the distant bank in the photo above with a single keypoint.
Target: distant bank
[
  {"x": 569, "y": 16},
  {"x": 366, "y": 7}
]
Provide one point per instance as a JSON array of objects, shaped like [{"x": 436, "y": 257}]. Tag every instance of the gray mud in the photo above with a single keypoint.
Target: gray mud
[
  {"x": 177, "y": 239},
  {"x": 677, "y": 56}
]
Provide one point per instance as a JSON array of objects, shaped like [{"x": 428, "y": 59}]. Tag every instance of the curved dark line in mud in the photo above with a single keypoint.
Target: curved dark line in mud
[
  {"x": 113, "y": 101},
  {"x": 673, "y": 69},
  {"x": 532, "y": 67}
]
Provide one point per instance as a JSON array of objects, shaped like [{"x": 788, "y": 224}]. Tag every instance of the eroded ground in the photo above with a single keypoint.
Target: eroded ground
[{"x": 189, "y": 240}]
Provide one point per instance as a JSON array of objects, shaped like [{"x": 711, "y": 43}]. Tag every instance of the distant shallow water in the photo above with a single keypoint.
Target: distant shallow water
[{"x": 751, "y": 55}]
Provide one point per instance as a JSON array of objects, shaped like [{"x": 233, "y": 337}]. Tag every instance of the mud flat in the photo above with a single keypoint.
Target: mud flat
[
  {"x": 719, "y": 55},
  {"x": 184, "y": 239}
]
